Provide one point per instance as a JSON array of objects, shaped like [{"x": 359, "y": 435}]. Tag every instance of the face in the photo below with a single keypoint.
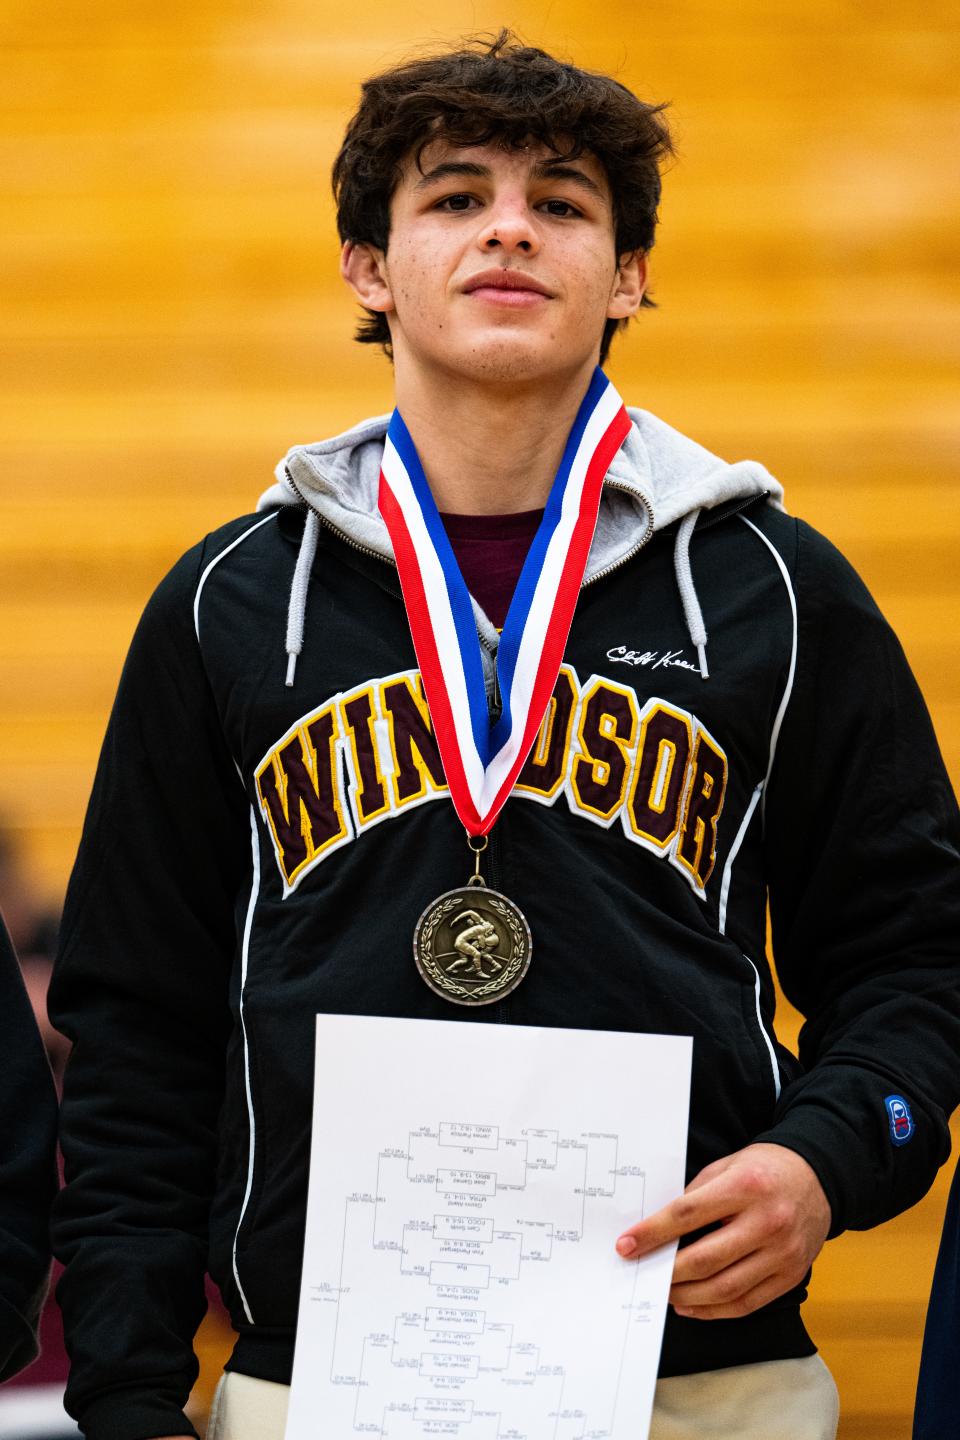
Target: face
[{"x": 501, "y": 264}]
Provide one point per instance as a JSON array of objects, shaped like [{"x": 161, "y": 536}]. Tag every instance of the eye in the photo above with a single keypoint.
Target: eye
[
  {"x": 560, "y": 208},
  {"x": 455, "y": 203}
]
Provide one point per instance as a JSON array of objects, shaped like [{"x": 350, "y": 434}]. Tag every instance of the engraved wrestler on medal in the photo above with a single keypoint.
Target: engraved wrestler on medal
[{"x": 473, "y": 945}]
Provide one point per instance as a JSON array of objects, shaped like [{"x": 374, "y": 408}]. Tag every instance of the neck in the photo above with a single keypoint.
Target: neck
[{"x": 490, "y": 450}]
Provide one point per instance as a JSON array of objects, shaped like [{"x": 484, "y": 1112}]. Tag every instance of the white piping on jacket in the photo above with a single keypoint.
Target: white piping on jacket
[
  {"x": 761, "y": 789},
  {"x": 769, "y": 1043},
  {"x": 251, "y": 1121},
  {"x": 734, "y": 852},
  {"x": 722, "y": 927},
  {"x": 759, "y": 792},
  {"x": 216, "y": 561},
  {"x": 788, "y": 688},
  {"x": 248, "y": 927}
]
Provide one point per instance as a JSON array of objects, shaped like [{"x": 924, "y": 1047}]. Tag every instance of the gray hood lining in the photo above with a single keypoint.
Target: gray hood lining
[{"x": 657, "y": 477}]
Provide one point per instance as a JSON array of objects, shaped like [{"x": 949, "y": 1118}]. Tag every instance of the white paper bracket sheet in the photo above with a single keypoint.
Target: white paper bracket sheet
[{"x": 467, "y": 1184}]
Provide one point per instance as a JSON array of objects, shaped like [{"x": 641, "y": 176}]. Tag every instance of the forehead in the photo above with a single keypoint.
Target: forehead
[{"x": 533, "y": 161}]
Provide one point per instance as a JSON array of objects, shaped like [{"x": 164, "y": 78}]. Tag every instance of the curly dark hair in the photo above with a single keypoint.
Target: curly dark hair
[{"x": 497, "y": 90}]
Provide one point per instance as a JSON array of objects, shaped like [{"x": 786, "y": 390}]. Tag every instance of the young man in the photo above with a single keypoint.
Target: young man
[{"x": 273, "y": 819}]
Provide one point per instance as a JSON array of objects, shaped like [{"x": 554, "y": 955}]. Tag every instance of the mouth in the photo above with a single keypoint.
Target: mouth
[{"x": 513, "y": 288}]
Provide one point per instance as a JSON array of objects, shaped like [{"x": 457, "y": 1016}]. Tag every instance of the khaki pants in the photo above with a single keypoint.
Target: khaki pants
[{"x": 776, "y": 1400}]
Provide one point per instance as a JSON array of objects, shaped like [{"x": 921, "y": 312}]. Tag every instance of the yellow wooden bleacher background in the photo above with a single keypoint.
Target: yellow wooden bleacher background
[{"x": 172, "y": 321}]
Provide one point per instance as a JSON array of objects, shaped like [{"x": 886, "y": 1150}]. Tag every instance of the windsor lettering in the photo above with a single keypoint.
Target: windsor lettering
[{"x": 367, "y": 756}]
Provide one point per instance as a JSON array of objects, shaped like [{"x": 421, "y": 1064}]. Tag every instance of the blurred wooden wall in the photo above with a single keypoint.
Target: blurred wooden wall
[{"x": 172, "y": 321}]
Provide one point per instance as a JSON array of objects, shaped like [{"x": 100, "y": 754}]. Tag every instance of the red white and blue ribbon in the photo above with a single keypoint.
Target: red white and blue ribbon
[{"x": 482, "y": 757}]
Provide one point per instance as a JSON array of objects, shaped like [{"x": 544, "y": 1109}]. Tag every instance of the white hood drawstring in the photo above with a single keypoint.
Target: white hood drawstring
[
  {"x": 297, "y": 608},
  {"x": 688, "y": 594}
]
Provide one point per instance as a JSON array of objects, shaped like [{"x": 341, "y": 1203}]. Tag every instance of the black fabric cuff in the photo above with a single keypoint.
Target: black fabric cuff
[
  {"x": 796, "y": 1138},
  {"x": 132, "y": 1415},
  {"x": 836, "y": 1118}
]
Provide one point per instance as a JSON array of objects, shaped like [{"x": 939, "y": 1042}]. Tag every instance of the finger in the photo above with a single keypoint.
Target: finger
[
  {"x": 727, "y": 1286},
  {"x": 711, "y": 1172},
  {"x": 692, "y": 1210},
  {"x": 721, "y": 1248},
  {"x": 754, "y": 1299}
]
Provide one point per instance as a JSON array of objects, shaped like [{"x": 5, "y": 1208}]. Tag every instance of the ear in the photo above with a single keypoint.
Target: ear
[
  {"x": 363, "y": 268},
  {"x": 629, "y": 285}
]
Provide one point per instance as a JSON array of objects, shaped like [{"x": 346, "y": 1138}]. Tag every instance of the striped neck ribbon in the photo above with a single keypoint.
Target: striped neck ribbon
[{"x": 482, "y": 756}]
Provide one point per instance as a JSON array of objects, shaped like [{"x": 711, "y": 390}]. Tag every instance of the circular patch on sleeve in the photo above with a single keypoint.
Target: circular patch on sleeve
[{"x": 900, "y": 1119}]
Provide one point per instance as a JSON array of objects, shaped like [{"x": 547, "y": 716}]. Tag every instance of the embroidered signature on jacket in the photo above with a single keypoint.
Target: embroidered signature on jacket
[{"x": 656, "y": 659}]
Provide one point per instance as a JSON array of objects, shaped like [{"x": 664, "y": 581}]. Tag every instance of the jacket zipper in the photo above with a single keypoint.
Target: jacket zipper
[
  {"x": 340, "y": 534},
  {"x": 725, "y": 512},
  {"x": 635, "y": 549}
]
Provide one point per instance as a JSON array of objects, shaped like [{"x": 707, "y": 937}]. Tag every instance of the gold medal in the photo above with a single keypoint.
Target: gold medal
[{"x": 473, "y": 945}]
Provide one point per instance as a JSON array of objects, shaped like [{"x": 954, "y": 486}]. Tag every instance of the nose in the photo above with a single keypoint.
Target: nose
[{"x": 509, "y": 226}]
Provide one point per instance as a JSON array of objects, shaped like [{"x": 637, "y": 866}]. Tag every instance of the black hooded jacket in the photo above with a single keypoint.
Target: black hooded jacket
[{"x": 256, "y": 853}]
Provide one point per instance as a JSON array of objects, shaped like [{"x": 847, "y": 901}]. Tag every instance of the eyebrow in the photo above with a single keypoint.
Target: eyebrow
[{"x": 543, "y": 170}]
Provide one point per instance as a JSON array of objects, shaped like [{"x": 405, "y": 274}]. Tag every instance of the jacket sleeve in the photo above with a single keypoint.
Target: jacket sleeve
[
  {"x": 141, "y": 988},
  {"x": 861, "y": 838},
  {"x": 28, "y": 1175}
]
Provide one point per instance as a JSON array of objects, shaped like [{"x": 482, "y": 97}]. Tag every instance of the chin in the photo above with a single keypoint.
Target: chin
[{"x": 509, "y": 359}]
